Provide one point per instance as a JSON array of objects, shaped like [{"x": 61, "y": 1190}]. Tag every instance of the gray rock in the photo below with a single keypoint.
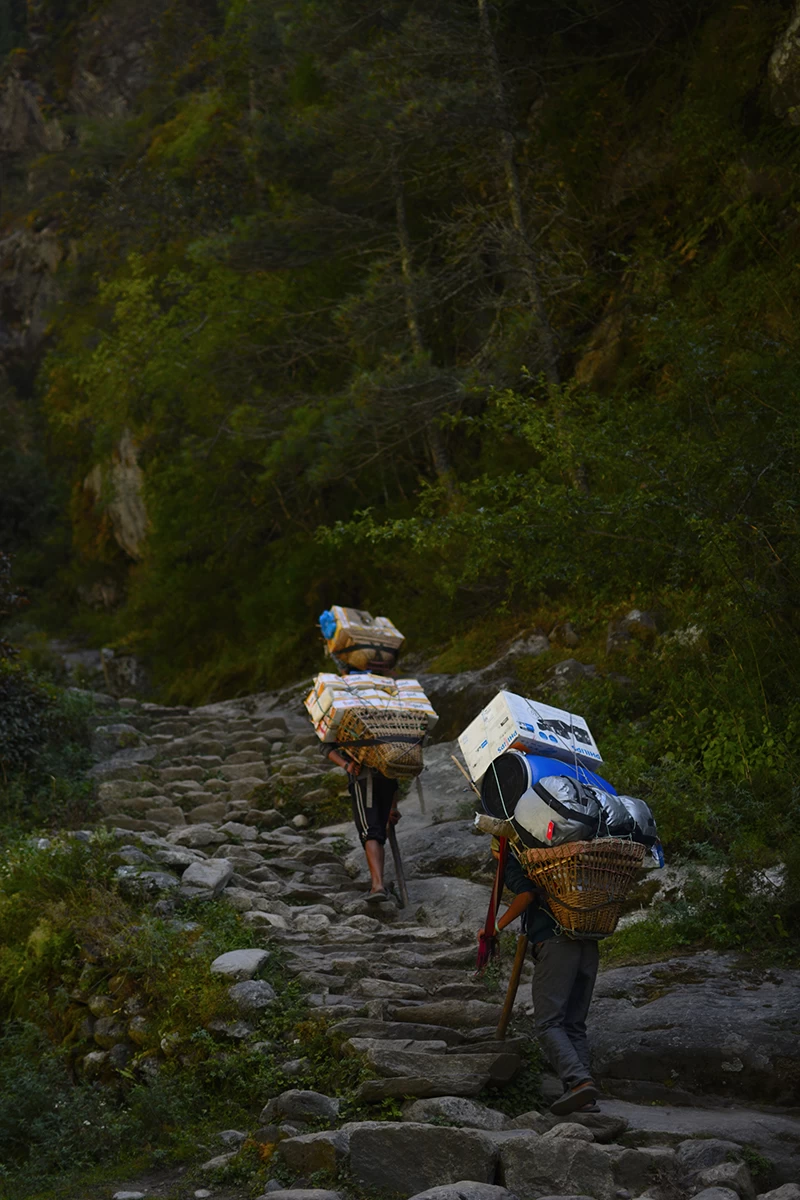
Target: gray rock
[
  {"x": 213, "y": 874},
  {"x": 454, "y": 843},
  {"x": 196, "y": 836},
  {"x": 788, "y": 1191},
  {"x": 240, "y": 964},
  {"x": 133, "y": 882},
  {"x": 294, "y": 1067},
  {"x": 536, "y": 1166},
  {"x": 466, "y": 1189},
  {"x": 247, "y": 833},
  {"x": 442, "y": 1068},
  {"x": 252, "y": 995},
  {"x": 311, "y": 1152},
  {"x": 301, "y": 1106},
  {"x": 716, "y": 1193},
  {"x": 783, "y": 72},
  {"x": 232, "y": 1137},
  {"x": 280, "y": 1193},
  {"x": 470, "y": 1014},
  {"x": 400, "y": 1030},
  {"x": 775, "y": 1135},
  {"x": 569, "y": 672},
  {"x": 129, "y": 1196},
  {"x": 448, "y": 901},
  {"x": 637, "y": 1170},
  {"x": 698, "y": 1154},
  {"x": 409, "y": 1158},
  {"x": 733, "y": 1175},
  {"x": 570, "y": 1129},
  {"x": 93, "y": 1063},
  {"x": 108, "y": 1032},
  {"x": 704, "y": 1016},
  {"x": 168, "y": 815},
  {"x": 219, "y": 1160},
  {"x": 457, "y": 1111},
  {"x": 106, "y": 739}
]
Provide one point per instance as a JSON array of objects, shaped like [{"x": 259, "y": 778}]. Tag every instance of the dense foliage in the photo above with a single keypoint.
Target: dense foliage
[{"x": 469, "y": 313}]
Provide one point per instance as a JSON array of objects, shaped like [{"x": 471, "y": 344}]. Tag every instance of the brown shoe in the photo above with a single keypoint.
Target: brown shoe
[{"x": 575, "y": 1099}]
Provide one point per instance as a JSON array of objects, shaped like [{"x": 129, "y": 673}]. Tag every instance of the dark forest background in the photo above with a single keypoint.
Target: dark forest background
[{"x": 480, "y": 315}]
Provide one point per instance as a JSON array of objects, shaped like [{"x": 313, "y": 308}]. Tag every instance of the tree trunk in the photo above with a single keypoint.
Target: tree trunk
[
  {"x": 436, "y": 447},
  {"x": 546, "y": 339},
  {"x": 547, "y": 342}
]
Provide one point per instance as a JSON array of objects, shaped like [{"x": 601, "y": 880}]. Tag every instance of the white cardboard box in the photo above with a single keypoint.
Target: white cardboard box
[{"x": 510, "y": 719}]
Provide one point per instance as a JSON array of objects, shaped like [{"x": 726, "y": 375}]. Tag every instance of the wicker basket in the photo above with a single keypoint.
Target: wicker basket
[
  {"x": 384, "y": 738},
  {"x": 587, "y": 883}
]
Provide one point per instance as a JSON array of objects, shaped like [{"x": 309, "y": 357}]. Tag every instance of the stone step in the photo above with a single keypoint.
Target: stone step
[{"x": 364, "y": 1027}]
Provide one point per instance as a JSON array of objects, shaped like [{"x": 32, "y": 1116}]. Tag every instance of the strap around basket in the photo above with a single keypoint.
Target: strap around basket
[{"x": 384, "y": 740}]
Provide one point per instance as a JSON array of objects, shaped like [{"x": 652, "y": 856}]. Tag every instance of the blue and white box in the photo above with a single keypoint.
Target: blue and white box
[{"x": 511, "y": 720}]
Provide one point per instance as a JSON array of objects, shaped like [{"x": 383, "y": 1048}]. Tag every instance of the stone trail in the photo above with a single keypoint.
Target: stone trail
[{"x": 194, "y": 797}]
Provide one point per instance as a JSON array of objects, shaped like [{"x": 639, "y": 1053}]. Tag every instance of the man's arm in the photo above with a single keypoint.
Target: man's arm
[
  {"x": 515, "y": 909},
  {"x": 352, "y": 768}
]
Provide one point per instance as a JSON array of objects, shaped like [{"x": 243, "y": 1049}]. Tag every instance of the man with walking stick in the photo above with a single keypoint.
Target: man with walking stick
[
  {"x": 565, "y": 969},
  {"x": 375, "y": 814}
]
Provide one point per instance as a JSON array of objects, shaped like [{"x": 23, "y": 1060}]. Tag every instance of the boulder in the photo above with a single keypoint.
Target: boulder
[
  {"x": 196, "y": 836},
  {"x": 733, "y": 1175},
  {"x": 311, "y": 1152},
  {"x": 252, "y": 995},
  {"x": 246, "y": 833},
  {"x": 280, "y": 1193},
  {"x": 535, "y": 1166},
  {"x": 107, "y": 739},
  {"x": 638, "y": 1170},
  {"x": 213, "y": 874},
  {"x": 453, "y": 846},
  {"x": 408, "y": 1158},
  {"x": 570, "y": 1129},
  {"x": 716, "y": 1193},
  {"x": 240, "y": 964},
  {"x": 466, "y": 1189},
  {"x": 455, "y": 1110},
  {"x": 698, "y": 1154},
  {"x": 788, "y": 1191},
  {"x": 700, "y": 1024},
  {"x": 300, "y": 1106}
]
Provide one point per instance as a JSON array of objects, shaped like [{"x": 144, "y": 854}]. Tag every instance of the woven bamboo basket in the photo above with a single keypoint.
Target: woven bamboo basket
[
  {"x": 384, "y": 738},
  {"x": 587, "y": 883}
]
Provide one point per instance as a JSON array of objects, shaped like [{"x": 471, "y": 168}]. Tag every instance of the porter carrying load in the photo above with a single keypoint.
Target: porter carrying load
[
  {"x": 358, "y": 641},
  {"x": 381, "y": 723}
]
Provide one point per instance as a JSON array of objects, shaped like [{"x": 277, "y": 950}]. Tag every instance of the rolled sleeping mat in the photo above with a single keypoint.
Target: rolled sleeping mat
[{"x": 513, "y": 773}]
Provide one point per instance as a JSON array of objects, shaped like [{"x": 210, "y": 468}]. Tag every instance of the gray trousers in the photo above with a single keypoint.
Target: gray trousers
[{"x": 563, "y": 980}]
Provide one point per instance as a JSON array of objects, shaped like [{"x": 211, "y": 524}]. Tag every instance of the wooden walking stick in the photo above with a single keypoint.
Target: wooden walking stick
[
  {"x": 513, "y": 985},
  {"x": 398, "y": 867}
]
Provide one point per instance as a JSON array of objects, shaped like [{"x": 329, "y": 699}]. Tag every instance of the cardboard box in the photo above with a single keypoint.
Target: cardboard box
[
  {"x": 332, "y": 696},
  {"x": 355, "y": 627},
  {"x": 511, "y": 720}
]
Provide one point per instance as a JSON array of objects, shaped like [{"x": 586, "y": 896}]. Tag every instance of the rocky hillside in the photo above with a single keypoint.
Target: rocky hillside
[{"x": 696, "y": 1053}]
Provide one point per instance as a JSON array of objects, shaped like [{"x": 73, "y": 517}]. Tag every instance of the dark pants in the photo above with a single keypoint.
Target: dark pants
[
  {"x": 563, "y": 980},
  {"x": 372, "y": 805}
]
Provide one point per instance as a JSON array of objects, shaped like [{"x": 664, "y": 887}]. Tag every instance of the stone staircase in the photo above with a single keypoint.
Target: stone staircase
[{"x": 194, "y": 798}]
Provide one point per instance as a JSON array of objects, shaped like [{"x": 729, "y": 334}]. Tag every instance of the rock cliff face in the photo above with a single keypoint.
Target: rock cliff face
[
  {"x": 23, "y": 125},
  {"x": 117, "y": 487},
  {"x": 114, "y": 59},
  {"x": 784, "y": 72}
]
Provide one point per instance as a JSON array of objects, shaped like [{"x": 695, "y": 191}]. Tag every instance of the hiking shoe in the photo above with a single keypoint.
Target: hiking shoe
[
  {"x": 377, "y": 897},
  {"x": 575, "y": 1098}
]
